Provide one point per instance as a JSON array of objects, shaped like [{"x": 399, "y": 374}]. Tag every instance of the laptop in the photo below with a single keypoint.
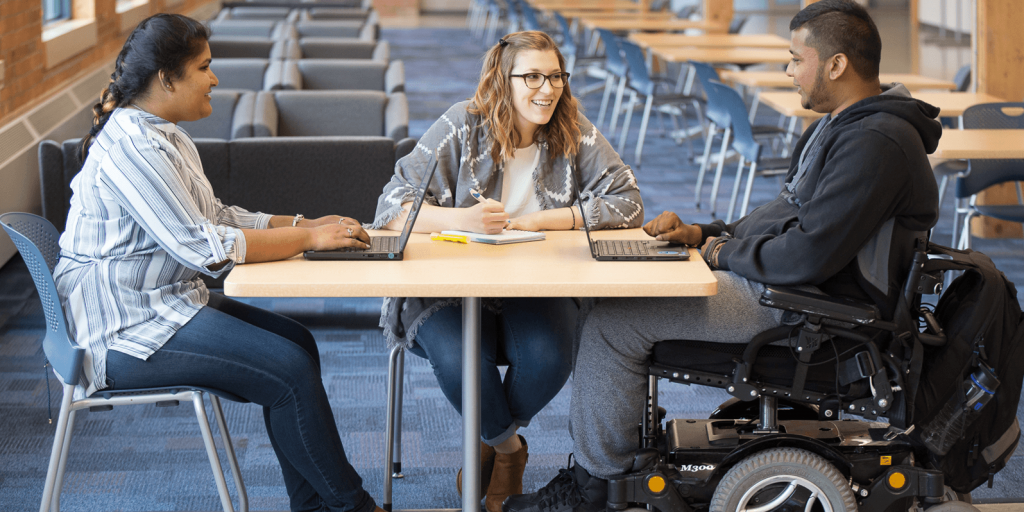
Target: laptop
[
  {"x": 382, "y": 247},
  {"x": 630, "y": 250}
]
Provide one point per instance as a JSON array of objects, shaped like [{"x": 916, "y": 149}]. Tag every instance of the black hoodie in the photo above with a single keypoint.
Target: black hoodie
[{"x": 865, "y": 195}]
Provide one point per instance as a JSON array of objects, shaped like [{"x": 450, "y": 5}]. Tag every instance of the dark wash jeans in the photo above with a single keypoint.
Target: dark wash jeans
[
  {"x": 272, "y": 361},
  {"x": 533, "y": 336}
]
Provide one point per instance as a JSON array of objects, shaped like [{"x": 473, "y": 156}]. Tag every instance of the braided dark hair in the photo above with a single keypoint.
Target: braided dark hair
[{"x": 163, "y": 42}]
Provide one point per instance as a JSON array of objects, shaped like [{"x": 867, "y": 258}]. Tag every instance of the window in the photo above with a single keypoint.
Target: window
[{"x": 56, "y": 10}]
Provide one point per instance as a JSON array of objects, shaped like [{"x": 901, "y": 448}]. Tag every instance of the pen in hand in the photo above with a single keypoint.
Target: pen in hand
[{"x": 480, "y": 198}]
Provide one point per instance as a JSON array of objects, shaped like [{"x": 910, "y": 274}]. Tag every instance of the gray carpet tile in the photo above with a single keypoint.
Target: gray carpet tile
[{"x": 152, "y": 459}]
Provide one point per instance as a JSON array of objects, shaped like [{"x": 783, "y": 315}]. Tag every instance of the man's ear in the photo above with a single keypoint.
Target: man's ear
[{"x": 838, "y": 65}]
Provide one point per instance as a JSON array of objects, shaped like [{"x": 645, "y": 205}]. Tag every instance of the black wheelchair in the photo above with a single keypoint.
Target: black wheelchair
[{"x": 783, "y": 442}]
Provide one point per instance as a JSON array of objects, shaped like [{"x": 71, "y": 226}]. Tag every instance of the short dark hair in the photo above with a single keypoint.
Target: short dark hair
[
  {"x": 162, "y": 42},
  {"x": 842, "y": 26}
]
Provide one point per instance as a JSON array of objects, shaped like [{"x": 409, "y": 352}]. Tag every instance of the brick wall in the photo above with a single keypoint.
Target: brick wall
[{"x": 27, "y": 81}]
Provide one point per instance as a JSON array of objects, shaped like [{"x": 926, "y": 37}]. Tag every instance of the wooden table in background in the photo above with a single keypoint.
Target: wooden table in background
[
  {"x": 627, "y": 23},
  {"x": 608, "y": 5},
  {"x": 721, "y": 55},
  {"x": 998, "y": 144},
  {"x": 952, "y": 104},
  {"x": 663, "y": 40},
  {"x": 779, "y": 80},
  {"x": 560, "y": 266}
]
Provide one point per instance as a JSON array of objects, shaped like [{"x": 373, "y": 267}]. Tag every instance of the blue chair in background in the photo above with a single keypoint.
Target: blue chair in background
[
  {"x": 984, "y": 173},
  {"x": 36, "y": 240},
  {"x": 642, "y": 83},
  {"x": 530, "y": 21},
  {"x": 750, "y": 150},
  {"x": 615, "y": 66},
  {"x": 718, "y": 115}
]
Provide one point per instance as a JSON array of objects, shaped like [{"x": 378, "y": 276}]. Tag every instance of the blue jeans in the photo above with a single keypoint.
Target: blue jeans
[
  {"x": 272, "y": 361},
  {"x": 533, "y": 336}
]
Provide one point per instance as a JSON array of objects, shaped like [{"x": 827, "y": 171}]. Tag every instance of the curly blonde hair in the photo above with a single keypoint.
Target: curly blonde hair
[{"x": 493, "y": 99}]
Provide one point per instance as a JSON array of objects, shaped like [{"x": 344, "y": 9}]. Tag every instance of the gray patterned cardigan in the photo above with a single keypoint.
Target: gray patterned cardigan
[{"x": 609, "y": 192}]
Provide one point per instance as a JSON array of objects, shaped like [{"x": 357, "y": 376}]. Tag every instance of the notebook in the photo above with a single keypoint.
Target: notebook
[
  {"x": 508, "y": 236},
  {"x": 382, "y": 247},
  {"x": 630, "y": 250}
]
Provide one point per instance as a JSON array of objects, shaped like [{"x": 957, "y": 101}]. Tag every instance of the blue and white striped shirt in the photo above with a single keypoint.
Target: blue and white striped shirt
[{"x": 143, "y": 224}]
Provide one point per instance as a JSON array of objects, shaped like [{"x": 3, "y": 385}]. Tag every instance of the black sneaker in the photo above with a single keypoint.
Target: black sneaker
[{"x": 572, "y": 490}]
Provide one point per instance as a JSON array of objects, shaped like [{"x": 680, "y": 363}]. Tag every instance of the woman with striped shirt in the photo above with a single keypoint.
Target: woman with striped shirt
[{"x": 144, "y": 223}]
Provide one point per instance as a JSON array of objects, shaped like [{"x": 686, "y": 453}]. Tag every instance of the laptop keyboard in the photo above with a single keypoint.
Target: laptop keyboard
[
  {"x": 622, "y": 248},
  {"x": 378, "y": 244}
]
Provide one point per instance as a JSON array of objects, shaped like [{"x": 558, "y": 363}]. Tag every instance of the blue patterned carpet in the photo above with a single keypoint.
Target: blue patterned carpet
[{"x": 148, "y": 459}]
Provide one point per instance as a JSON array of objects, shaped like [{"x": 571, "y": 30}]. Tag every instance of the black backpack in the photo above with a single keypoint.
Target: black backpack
[{"x": 982, "y": 321}]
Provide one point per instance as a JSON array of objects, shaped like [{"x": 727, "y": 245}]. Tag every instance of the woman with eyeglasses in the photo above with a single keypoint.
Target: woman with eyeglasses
[{"x": 519, "y": 145}]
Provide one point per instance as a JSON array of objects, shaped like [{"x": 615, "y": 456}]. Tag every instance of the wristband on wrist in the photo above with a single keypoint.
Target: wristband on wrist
[
  {"x": 297, "y": 219},
  {"x": 571, "y": 212}
]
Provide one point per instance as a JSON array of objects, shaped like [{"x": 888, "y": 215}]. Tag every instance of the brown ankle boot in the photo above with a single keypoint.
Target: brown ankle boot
[
  {"x": 486, "y": 466},
  {"x": 507, "y": 477}
]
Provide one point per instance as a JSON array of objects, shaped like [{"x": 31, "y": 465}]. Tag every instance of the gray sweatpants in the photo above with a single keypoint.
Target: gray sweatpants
[{"x": 610, "y": 378}]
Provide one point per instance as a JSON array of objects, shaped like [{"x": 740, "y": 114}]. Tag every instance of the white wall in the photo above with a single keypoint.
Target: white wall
[{"x": 930, "y": 12}]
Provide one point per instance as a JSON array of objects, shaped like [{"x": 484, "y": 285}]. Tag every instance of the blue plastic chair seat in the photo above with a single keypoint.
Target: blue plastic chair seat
[{"x": 1007, "y": 212}]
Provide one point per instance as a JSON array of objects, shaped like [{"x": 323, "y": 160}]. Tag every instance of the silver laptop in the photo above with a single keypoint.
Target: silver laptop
[
  {"x": 382, "y": 247},
  {"x": 629, "y": 250}
]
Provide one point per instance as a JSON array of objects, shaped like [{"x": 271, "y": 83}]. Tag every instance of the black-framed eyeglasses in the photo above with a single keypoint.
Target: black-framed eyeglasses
[{"x": 536, "y": 80}]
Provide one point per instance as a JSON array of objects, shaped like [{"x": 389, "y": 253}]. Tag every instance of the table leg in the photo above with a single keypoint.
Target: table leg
[{"x": 471, "y": 404}]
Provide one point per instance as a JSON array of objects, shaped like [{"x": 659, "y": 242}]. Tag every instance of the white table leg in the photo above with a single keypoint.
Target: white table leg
[{"x": 471, "y": 404}]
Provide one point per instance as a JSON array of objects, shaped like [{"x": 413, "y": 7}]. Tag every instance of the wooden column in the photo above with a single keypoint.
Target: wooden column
[
  {"x": 1000, "y": 72},
  {"x": 718, "y": 12}
]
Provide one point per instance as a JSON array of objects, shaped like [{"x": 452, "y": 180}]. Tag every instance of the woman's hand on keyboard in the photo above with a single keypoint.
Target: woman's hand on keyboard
[{"x": 339, "y": 235}]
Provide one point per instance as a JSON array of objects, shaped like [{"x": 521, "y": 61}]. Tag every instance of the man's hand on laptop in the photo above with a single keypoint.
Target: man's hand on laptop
[
  {"x": 339, "y": 235},
  {"x": 668, "y": 228}
]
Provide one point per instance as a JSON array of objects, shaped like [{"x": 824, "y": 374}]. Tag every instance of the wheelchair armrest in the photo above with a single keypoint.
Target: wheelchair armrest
[{"x": 835, "y": 308}]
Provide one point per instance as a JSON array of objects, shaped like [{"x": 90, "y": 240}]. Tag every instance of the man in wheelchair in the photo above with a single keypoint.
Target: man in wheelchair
[{"x": 858, "y": 199}]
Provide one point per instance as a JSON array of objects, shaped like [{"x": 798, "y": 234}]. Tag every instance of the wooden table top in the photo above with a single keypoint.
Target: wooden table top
[
  {"x": 604, "y": 14},
  {"x": 626, "y": 22},
  {"x": 981, "y": 144},
  {"x": 952, "y": 104},
  {"x": 612, "y": 5},
  {"x": 724, "y": 55},
  {"x": 779, "y": 80},
  {"x": 560, "y": 266},
  {"x": 647, "y": 39}
]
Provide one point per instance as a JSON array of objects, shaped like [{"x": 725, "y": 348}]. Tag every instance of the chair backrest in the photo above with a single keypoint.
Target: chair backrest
[
  {"x": 983, "y": 173},
  {"x": 529, "y": 17},
  {"x": 321, "y": 113},
  {"x": 337, "y": 13},
  {"x": 232, "y": 110},
  {"x": 962, "y": 79},
  {"x": 246, "y": 28},
  {"x": 636, "y": 68},
  {"x": 335, "y": 48},
  {"x": 37, "y": 241},
  {"x": 742, "y": 135},
  {"x": 737, "y": 24},
  {"x": 240, "y": 47},
  {"x": 247, "y": 74},
  {"x": 568, "y": 43},
  {"x": 59, "y": 163},
  {"x": 329, "y": 28},
  {"x": 260, "y": 13},
  {"x": 715, "y": 110},
  {"x": 341, "y": 74},
  {"x": 614, "y": 63}
]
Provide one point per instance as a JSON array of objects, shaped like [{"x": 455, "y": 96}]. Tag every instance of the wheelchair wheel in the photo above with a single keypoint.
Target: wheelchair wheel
[{"x": 783, "y": 479}]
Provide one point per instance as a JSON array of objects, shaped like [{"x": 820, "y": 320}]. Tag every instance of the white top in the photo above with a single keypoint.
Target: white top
[
  {"x": 518, "y": 189},
  {"x": 144, "y": 223}
]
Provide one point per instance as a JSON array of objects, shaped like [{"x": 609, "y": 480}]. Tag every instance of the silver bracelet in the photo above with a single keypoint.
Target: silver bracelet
[{"x": 298, "y": 217}]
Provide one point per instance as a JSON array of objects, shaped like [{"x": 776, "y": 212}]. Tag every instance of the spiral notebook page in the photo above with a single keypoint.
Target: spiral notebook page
[{"x": 508, "y": 236}]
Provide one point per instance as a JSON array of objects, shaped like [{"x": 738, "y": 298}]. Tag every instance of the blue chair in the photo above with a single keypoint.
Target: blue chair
[
  {"x": 642, "y": 83},
  {"x": 750, "y": 150},
  {"x": 36, "y": 240},
  {"x": 983, "y": 173},
  {"x": 615, "y": 65},
  {"x": 718, "y": 115},
  {"x": 530, "y": 21}
]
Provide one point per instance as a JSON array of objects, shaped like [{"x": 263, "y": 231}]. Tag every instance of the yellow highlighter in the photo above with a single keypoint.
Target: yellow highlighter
[{"x": 460, "y": 239}]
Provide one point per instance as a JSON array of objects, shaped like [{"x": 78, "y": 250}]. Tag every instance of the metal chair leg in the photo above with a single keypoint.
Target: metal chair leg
[
  {"x": 211, "y": 451},
  {"x": 59, "y": 438},
  {"x": 618, "y": 105},
  {"x": 712, "y": 130},
  {"x": 625, "y": 123},
  {"x": 608, "y": 81},
  {"x": 229, "y": 450},
  {"x": 750, "y": 188},
  {"x": 396, "y": 471},
  {"x": 643, "y": 128},
  {"x": 735, "y": 191},
  {"x": 718, "y": 170}
]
